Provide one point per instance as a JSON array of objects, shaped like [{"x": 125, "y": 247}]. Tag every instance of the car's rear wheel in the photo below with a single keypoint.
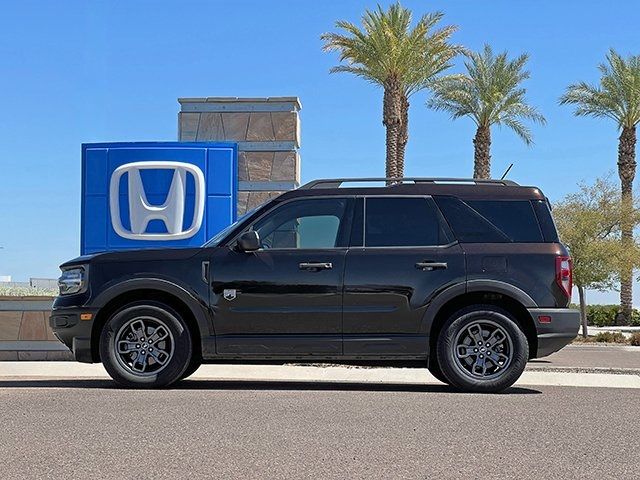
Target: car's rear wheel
[
  {"x": 482, "y": 349},
  {"x": 146, "y": 345}
]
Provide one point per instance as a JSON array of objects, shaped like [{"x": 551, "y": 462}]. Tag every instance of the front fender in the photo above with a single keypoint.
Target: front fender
[{"x": 196, "y": 305}]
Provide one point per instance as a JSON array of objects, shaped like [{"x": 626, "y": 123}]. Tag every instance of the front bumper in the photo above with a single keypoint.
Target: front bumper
[
  {"x": 557, "y": 333},
  {"x": 74, "y": 332}
]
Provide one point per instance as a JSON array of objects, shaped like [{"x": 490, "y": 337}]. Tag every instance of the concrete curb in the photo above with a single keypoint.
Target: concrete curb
[{"x": 604, "y": 370}]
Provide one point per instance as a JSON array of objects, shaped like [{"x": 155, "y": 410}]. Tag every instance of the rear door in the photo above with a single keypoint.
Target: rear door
[{"x": 402, "y": 254}]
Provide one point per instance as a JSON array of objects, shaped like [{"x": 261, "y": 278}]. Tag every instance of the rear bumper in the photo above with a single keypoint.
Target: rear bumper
[{"x": 557, "y": 333}]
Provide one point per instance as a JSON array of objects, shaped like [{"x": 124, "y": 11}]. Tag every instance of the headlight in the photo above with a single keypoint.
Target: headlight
[{"x": 73, "y": 280}]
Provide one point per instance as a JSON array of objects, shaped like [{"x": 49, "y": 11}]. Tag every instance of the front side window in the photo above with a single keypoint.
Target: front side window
[
  {"x": 307, "y": 223},
  {"x": 403, "y": 222}
]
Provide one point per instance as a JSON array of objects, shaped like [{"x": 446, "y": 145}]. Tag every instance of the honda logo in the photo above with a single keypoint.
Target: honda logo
[{"x": 171, "y": 212}]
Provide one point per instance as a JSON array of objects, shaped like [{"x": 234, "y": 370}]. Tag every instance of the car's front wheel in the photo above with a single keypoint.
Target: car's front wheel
[
  {"x": 436, "y": 371},
  {"x": 146, "y": 345},
  {"x": 482, "y": 349}
]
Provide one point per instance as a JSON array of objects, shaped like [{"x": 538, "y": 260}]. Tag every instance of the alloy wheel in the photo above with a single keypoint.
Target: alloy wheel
[
  {"x": 144, "y": 346},
  {"x": 483, "y": 350}
]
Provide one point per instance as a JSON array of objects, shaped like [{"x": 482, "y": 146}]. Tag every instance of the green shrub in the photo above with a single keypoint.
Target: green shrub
[
  {"x": 635, "y": 339},
  {"x": 602, "y": 315},
  {"x": 611, "y": 337}
]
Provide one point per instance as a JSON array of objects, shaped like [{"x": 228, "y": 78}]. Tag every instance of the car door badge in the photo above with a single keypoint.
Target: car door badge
[{"x": 229, "y": 294}]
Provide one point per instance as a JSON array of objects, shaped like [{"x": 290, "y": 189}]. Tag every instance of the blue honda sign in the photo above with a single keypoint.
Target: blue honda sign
[{"x": 160, "y": 194}]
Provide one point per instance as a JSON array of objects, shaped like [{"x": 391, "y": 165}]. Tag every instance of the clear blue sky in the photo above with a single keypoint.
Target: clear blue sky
[{"x": 76, "y": 72}]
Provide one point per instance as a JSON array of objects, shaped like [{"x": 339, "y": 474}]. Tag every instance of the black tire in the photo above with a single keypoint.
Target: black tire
[
  {"x": 457, "y": 338},
  {"x": 194, "y": 365},
  {"x": 168, "y": 340},
  {"x": 436, "y": 371}
]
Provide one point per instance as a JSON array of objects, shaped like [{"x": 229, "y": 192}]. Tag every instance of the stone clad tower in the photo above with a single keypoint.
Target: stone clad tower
[{"x": 267, "y": 131}]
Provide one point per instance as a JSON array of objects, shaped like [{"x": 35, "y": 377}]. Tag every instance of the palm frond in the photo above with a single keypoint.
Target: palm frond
[
  {"x": 490, "y": 93},
  {"x": 617, "y": 96},
  {"x": 357, "y": 71},
  {"x": 515, "y": 124},
  {"x": 455, "y": 94},
  {"x": 387, "y": 46}
]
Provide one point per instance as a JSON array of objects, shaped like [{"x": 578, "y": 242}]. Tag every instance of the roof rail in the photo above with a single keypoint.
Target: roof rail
[{"x": 391, "y": 181}]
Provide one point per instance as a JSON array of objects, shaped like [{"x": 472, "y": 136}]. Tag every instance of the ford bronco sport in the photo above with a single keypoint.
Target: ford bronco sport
[{"x": 466, "y": 277}]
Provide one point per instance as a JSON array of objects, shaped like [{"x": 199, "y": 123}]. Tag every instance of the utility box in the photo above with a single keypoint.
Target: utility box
[{"x": 156, "y": 194}]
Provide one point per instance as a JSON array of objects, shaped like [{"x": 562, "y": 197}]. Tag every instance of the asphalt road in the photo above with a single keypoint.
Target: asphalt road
[{"x": 207, "y": 429}]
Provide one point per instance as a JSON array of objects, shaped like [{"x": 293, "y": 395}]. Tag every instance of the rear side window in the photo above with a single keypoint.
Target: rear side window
[
  {"x": 491, "y": 221},
  {"x": 403, "y": 222},
  {"x": 515, "y": 218}
]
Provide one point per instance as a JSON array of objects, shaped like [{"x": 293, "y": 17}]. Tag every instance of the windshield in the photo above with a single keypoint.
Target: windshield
[{"x": 215, "y": 240}]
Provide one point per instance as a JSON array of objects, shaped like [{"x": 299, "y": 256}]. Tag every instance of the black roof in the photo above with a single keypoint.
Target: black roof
[{"x": 466, "y": 188}]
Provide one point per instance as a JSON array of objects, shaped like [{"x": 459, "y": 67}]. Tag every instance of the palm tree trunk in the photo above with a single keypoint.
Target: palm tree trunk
[
  {"x": 482, "y": 153},
  {"x": 392, "y": 120},
  {"x": 403, "y": 137},
  {"x": 627, "y": 172},
  {"x": 583, "y": 310}
]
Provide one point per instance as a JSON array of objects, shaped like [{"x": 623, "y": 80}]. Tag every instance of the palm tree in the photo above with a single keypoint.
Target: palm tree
[
  {"x": 616, "y": 97},
  {"x": 490, "y": 94},
  {"x": 402, "y": 60}
]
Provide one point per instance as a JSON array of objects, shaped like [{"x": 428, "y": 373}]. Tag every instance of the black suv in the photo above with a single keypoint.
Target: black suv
[{"x": 466, "y": 277}]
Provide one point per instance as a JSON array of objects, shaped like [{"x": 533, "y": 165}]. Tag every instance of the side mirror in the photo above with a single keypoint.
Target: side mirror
[{"x": 249, "y": 241}]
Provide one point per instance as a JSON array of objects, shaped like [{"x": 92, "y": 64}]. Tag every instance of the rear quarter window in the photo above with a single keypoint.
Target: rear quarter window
[
  {"x": 491, "y": 221},
  {"x": 547, "y": 225}
]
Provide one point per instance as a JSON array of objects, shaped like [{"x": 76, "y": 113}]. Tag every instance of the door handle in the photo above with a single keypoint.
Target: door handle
[
  {"x": 428, "y": 266},
  {"x": 315, "y": 266}
]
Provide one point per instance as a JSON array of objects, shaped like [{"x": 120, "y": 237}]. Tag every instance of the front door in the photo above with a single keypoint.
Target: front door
[
  {"x": 401, "y": 257},
  {"x": 286, "y": 298}
]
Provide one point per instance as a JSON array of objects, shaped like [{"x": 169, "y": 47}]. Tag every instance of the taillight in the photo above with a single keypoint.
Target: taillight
[{"x": 564, "y": 275}]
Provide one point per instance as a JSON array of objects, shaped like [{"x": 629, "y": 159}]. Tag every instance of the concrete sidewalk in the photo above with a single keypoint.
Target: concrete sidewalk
[
  {"x": 20, "y": 371},
  {"x": 585, "y": 365},
  {"x": 627, "y": 331}
]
